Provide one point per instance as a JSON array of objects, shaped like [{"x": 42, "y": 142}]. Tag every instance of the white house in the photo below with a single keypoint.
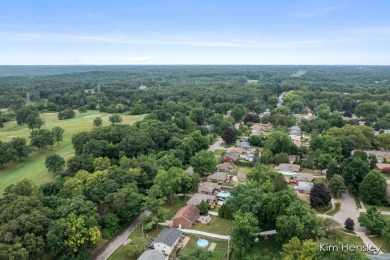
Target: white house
[
  {"x": 166, "y": 241},
  {"x": 152, "y": 255}
]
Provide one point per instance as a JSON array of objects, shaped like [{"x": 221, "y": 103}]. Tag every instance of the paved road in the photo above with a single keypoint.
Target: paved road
[
  {"x": 206, "y": 234},
  {"x": 215, "y": 145},
  {"x": 104, "y": 252},
  {"x": 348, "y": 210}
]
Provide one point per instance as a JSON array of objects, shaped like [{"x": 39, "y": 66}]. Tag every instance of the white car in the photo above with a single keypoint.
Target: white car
[{"x": 373, "y": 250}]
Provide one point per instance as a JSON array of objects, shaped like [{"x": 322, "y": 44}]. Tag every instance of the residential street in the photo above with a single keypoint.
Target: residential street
[{"x": 348, "y": 210}]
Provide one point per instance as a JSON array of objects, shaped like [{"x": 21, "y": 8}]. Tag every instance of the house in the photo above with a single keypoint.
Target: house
[
  {"x": 166, "y": 241},
  {"x": 295, "y": 130},
  {"x": 380, "y": 155},
  {"x": 209, "y": 188},
  {"x": 197, "y": 198},
  {"x": 238, "y": 151},
  {"x": 241, "y": 177},
  {"x": 225, "y": 167},
  {"x": 303, "y": 177},
  {"x": 219, "y": 177},
  {"x": 261, "y": 129},
  {"x": 304, "y": 187},
  {"x": 186, "y": 217},
  {"x": 295, "y": 137},
  {"x": 288, "y": 167},
  {"x": 152, "y": 255},
  {"x": 230, "y": 157},
  {"x": 245, "y": 145},
  {"x": 384, "y": 131},
  {"x": 383, "y": 167}
]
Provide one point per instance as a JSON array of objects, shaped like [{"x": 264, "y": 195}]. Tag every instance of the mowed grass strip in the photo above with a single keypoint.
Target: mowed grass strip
[{"x": 34, "y": 166}]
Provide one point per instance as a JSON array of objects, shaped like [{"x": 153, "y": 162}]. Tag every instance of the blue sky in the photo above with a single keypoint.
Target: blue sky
[{"x": 194, "y": 32}]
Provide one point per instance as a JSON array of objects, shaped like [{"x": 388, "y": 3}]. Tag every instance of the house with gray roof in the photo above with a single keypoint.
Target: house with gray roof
[
  {"x": 152, "y": 255},
  {"x": 230, "y": 157},
  {"x": 218, "y": 177},
  {"x": 245, "y": 145},
  {"x": 166, "y": 241},
  {"x": 197, "y": 198},
  {"x": 209, "y": 188}
]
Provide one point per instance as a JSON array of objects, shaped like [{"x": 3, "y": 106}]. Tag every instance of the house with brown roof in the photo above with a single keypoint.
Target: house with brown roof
[
  {"x": 380, "y": 155},
  {"x": 186, "y": 217},
  {"x": 293, "y": 158},
  {"x": 209, "y": 188},
  {"x": 225, "y": 167},
  {"x": 238, "y": 150},
  {"x": 218, "y": 177},
  {"x": 383, "y": 167},
  {"x": 261, "y": 129},
  {"x": 297, "y": 143}
]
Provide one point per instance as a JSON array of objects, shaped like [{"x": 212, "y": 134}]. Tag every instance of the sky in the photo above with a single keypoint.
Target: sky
[{"x": 105, "y": 32}]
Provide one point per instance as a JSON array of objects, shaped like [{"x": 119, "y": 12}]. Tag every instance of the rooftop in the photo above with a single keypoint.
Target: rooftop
[{"x": 168, "y": 236}]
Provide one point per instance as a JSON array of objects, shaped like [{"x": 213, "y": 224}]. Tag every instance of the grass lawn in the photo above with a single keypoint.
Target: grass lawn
[
  {"x": 216, "y": 226},
  {"x": 386, "y": 217},
  {"x": 268, "y": 249},
  {"x": 244, "y": 169},
  {"x": 349, "y": 239},
  {"x": 311, "y": 171},
  {"x": 336, "y": 209},
  {"x": 323, "y": 210},
  {"x": 172, "y": 209},
  {"x": 380, "y": 208},
  {"x": 380, "y": 242},
  {"x": 320, "y": 180},
  {"x": 218, "y": 253},
  {"x": 34, "y": 166},
  {"x": 357, "y": 201}
]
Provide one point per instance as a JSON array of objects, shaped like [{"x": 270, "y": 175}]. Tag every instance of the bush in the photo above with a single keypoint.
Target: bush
[{"x": 349, "y": 224}]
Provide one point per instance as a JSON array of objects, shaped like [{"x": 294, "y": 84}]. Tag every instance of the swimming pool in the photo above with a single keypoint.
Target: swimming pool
[
  {"x": 202, "y": 243},
  {"x": 224, "y": 195}
]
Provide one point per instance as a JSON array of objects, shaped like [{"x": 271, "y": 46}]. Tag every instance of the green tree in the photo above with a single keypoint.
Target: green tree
[
  {"x": 153, "y": 203},
  {"x": 98, "y": 121},
  {"x": 366, "y": 108},
  {"x": 198, "y": 115},
  {"x": 58, "y": 133},
  {"x": 322, "y": 161},
  {"x": 41, "y": 138},
  {"x": 34, "y": 121},
  {"x": 82, "y": 110},
  {"x": 353, "y": 171},
  {"x": 383, "y": 141},
  {"x": 115, "y": 119},
  {"x": 198, "y": 254},
  {"x": 7, "y": 153},
  {"x": 255, "y": 140},
  {"x": 125, "y": 203},
  {"x": 372, "y": 219},
  {"x": 243, "y": 232},
  {"x": 101, "y": 163},
  {"x": 332, "y": 169},
  {"x": 238, "y": 112},
  {"x": 203, "y": 162},
  {"x": 386, "y": 232},
  {"x": 203, "y": 207},
  {"x": 281, "y": 158},
  {"x": 294, "y": 249},
  {"x": 373, "y": 188},
  {"x": 337, "y": 185},
  {"x": 136, "y": 247},
  {"x": 360, "y": 154},
  {"x": 70, "y": 236},
  {"x": 11, "y": 252},
  {"x": 278, "y": 142},
  {"x": 111, "y": 225},
  {"x": 55, "y": 163},
  {"x": 20, "y": 146},
  {"x": 229, "y": 135}
]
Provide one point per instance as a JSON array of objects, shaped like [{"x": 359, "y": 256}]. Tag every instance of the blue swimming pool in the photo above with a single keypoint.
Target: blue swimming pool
[
  {"x": 202, "y": 243},
  {"x": 224, "y": 195}
]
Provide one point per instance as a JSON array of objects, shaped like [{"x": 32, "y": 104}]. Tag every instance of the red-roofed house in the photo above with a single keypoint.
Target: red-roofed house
[{"x": 186, "y": 217}]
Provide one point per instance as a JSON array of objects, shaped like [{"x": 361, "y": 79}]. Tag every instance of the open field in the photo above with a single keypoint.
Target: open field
[{"x": 34, "y": 166}]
